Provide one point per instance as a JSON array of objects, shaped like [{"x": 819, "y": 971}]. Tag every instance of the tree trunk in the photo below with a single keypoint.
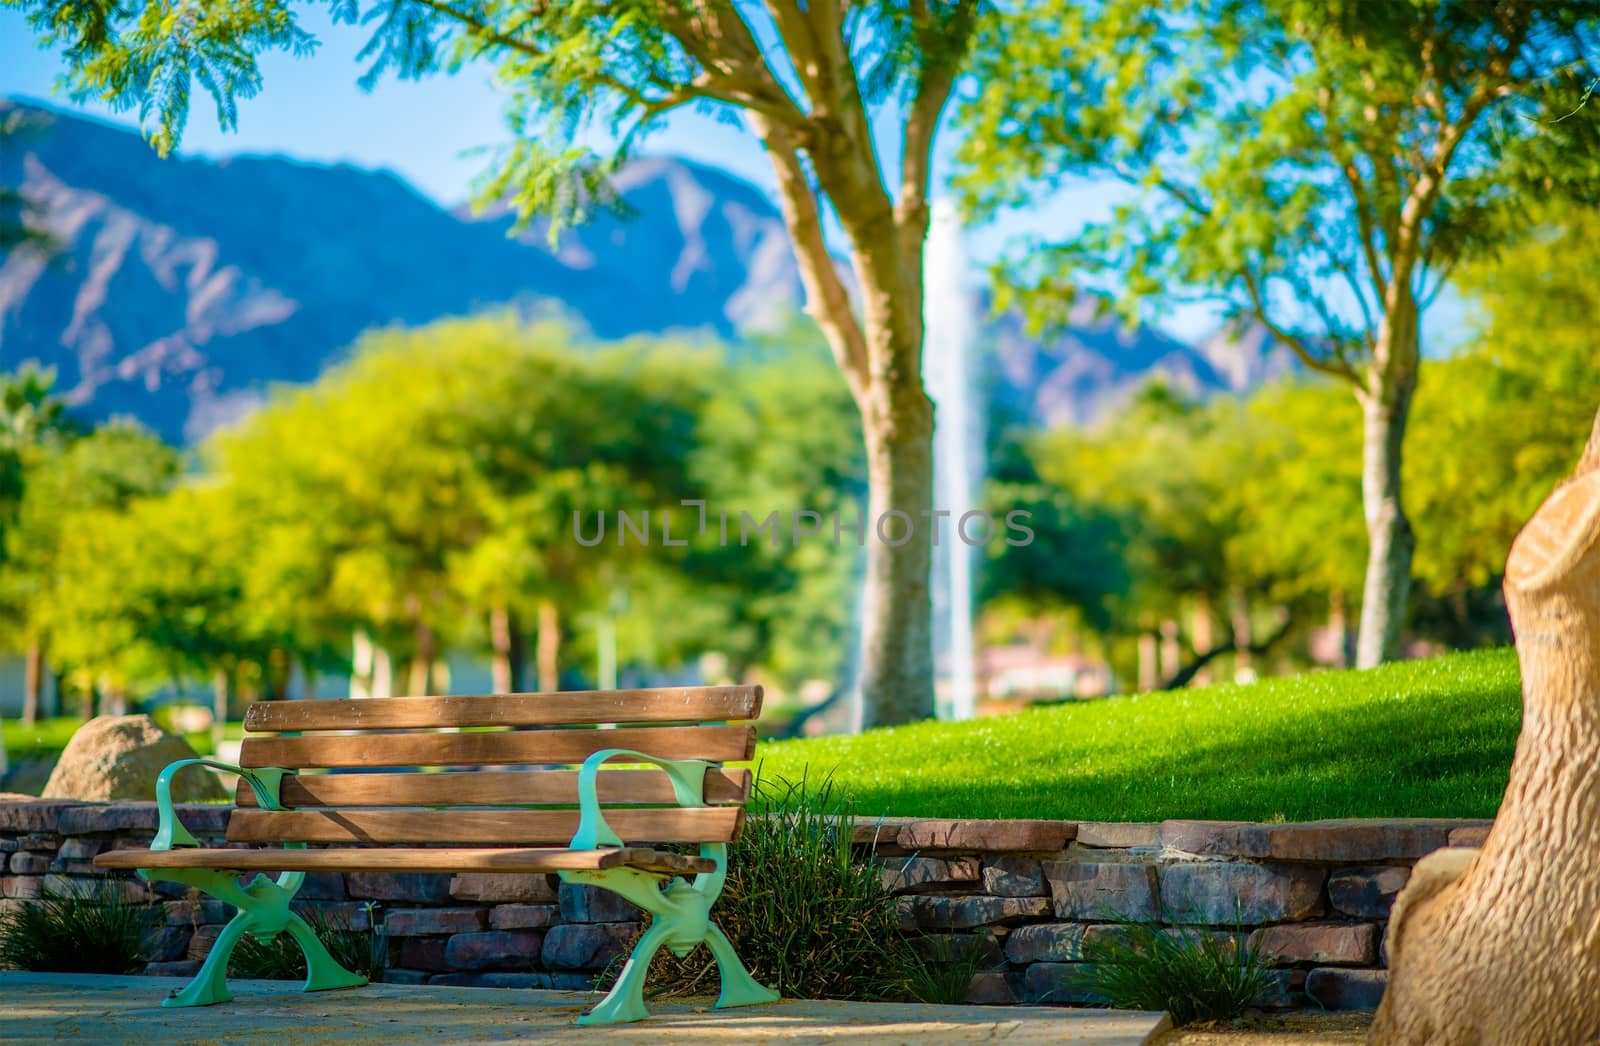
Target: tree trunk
[
  {"x": 880, "y": 354},
  {"x": 500, "y": 643},
  {"x": 548, "y": 652},
  {"x": 1149, "y": 669},
  {"x": 1171, "y": 650},
  {"x": 114, "y": 701},
  {"x": 219, "y": 707},
  {"x": 897, "y": 608},
  {"x": 276, "y": 673},
  {"x": 1502, "y": 945},
  {"x": 420, "y": 679},
  {"x": 32, "y": 683},
  {"x": 1202, "y": 639},
  {"x": 1390, "y": 541},
  {"x": 1243, "y": 636},
  {"x": 1339, "y": 628}
]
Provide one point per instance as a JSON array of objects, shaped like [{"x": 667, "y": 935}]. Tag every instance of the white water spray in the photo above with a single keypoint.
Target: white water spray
[{"x": 949, "y": 326}]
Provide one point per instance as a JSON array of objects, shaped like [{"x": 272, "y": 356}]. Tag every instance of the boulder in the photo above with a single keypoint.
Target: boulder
[{"x": 120, "y": 757}]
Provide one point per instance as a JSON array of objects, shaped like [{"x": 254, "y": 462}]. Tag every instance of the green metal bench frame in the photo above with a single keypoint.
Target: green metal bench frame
[{"x": 680, "y": 909}]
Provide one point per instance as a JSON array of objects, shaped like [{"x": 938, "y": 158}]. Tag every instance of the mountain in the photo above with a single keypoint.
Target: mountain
[
  {"x": 184, "y": 287},
  {"x": 1099, "y": 362}
]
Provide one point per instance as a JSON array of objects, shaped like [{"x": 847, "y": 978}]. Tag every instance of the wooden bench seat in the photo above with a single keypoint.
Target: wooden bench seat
[
  {"x": 413, "y": 859},
  {"x": 592, "y": 786}
]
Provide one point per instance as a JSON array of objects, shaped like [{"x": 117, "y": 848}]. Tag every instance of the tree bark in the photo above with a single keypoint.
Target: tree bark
[
  {"x": 897, "y": 630},
  {"x": 1339, "y": 626},
  {"x": 32, "y": 683},
  {"x": 1202, "y": 638},
  {"x": 276, "y": 673},
  {"x": 881, "y": 357},
  {"x": 1385, "y": 400},
  {"x": 420, "y": 678},
  {"x": 1243, "y": 634},
  {"x": 219, "y": 706},
  {"x": 1502, "y": 944},
  {"x": 1149, "y": 669},
  {"x": 1171, "y": 649},
  {"x": 501, "y": 672},
  {"x": 548, "y": 651}
]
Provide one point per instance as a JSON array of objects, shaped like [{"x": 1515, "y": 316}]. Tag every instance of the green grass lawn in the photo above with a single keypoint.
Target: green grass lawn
[
  {"x": 47, "y": 737},
  {"x": 1418, "y": 739}
]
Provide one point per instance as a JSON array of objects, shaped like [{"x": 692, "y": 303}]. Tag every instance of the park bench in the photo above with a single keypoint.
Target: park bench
[{"x": 591, "y": 786}]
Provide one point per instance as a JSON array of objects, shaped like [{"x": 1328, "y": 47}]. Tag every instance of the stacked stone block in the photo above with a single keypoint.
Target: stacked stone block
[{"x": 1028, "y": 896}]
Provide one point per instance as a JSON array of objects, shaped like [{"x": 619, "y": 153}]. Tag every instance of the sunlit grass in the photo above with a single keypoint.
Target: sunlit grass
[
  {"x": 47, "y": 737},
  {"x": 1426, "y": 738}
]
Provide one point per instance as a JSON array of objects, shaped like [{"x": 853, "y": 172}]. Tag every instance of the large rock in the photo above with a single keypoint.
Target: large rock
[
  {"x": 120, "y": 757},
  {"x": 1219, "y": 893},
  {"x": 1368, "y": 893},
  {"x": 1102, "y": 890}
]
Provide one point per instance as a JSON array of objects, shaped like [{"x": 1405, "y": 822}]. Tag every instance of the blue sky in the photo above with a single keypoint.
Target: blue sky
[
  {"x": 429, "y": 132},
  {"x": 432, "y": 133}
]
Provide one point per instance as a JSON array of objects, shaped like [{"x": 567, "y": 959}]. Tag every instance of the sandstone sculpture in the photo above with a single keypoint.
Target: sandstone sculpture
[{"x": 1502, "y": 944}]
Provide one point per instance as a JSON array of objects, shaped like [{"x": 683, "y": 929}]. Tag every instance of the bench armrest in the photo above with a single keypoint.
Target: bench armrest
[
  {"x": 263, "y": 782},
  {"x": 688, "y": 786}
]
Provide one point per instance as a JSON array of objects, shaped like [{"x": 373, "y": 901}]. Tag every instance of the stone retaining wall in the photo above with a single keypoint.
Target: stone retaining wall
[{"x": 1027, "y": 894}]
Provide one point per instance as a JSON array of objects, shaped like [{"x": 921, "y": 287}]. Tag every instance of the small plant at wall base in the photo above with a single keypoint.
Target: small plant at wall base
[
  {"x": 941, "y": 971},
  {"x": 280, "y": 959},
  {"x": 91, "y": 929},
  {"x": 1193, "y": 973},
  {"x": 806, "y": 918}
]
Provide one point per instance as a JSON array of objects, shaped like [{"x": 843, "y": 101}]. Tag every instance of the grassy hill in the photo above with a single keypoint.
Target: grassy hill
[{"x": 1417, "y": 739}]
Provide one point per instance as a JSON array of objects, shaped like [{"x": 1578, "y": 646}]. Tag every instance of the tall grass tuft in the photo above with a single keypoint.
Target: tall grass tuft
[
  {"x": 1194, "y": 974},
  {"x": 805, "y": 918},
  {"x": 943, "y": 974},
  {"x": 280, "y": 959},
  {"x": 89, "y": 929}
]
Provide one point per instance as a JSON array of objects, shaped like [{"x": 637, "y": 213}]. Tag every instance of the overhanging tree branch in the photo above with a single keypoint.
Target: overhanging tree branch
[
  {"x": 827, "y": 300},
  {"x": 1297, "y": 345}
]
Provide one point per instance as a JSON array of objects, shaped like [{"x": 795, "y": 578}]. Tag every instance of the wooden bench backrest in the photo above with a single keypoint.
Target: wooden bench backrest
[{"x": 413, "y": 755}]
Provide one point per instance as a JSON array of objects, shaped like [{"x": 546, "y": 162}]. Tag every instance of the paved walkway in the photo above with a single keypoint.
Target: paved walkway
[{"x": 44, "y": 1007}]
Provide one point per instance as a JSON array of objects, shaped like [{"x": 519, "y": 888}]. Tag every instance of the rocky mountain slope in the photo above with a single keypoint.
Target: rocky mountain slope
[{"x": 183, "y": 287}]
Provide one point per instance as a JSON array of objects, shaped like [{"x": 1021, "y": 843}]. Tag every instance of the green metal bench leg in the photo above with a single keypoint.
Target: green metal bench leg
[
  {"x": 323, "y": 972},
  {"x": 210, "y": 985},
  {"x": 738, "y": 987},
  {"x": 625, "y": 1001},
  {"x": 680, "y": 920},
  {"x": 263, "y": 913}
]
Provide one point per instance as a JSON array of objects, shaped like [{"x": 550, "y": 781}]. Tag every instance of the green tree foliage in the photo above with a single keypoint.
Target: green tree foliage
[
  {"x": 782, "y": 436},
  {"x": 76, "y": 495},
  {"x": 1500, "y": 425},
  {"x": 818, "y": 83},
  {"x": 1314, "y": 167},
  {"x": 432, "y": 480}
]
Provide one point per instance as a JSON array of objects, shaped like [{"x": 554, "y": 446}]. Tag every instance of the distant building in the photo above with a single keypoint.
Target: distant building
[{"x": 1022, "y": 673}]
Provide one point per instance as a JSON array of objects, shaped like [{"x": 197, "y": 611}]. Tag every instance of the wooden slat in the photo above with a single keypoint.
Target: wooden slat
[
  {"x": 495, "y": 788},
  {"x": 695, "y": 825},
  {"x": 407, "y": 860},
  {"x": 695, "y": 704},
  {"x": 712, "y": 743}
]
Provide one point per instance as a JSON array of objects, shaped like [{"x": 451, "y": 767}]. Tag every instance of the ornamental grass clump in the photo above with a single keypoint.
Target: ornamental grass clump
[
  {"x": 89, "y": 929},
  {"x": 1194, "y": 974},
  {"x": 807, "y": 918}
]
